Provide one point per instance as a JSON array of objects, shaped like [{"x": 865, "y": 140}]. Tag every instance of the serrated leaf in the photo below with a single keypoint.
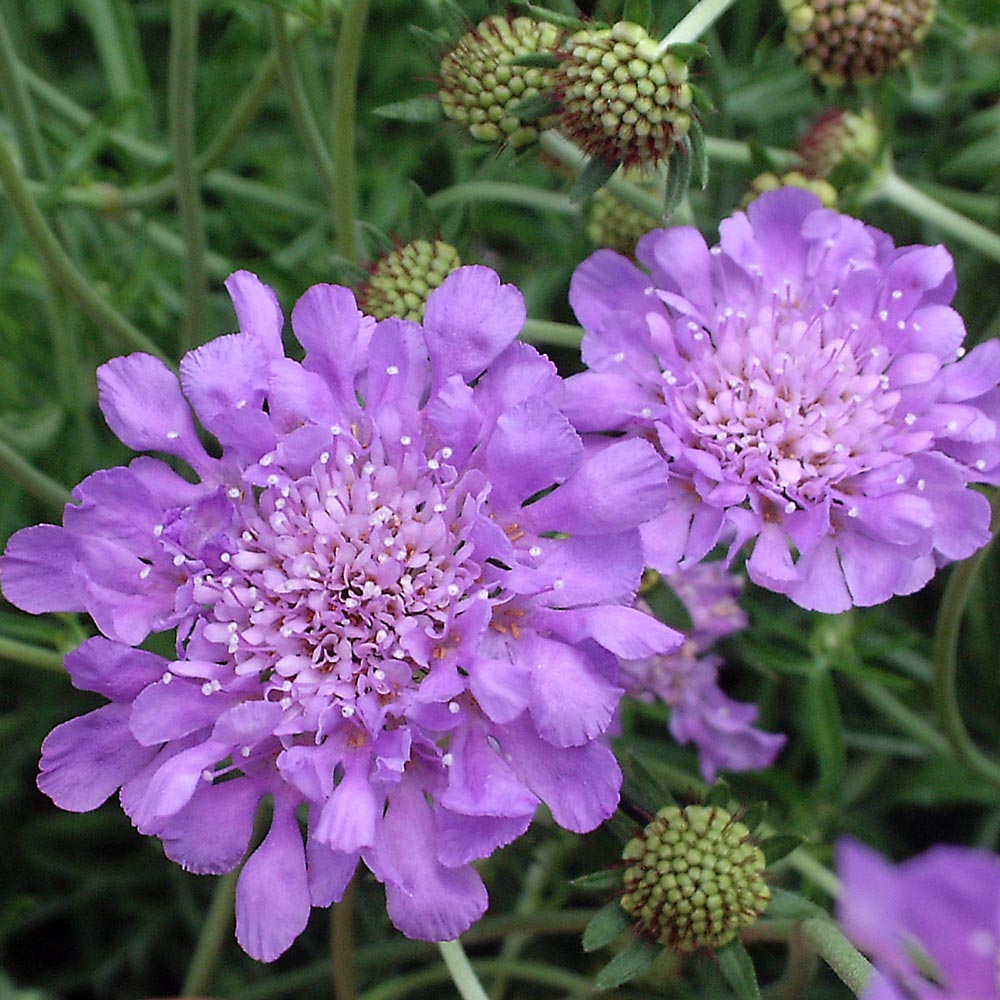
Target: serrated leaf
[
  {"x": 545, "y": 60},
  {"x": 719, "y": 795},
  {"x": 826, "y": 729},
  {"x": 530, "y": 109},
  {"x": 602, "y": 881},
  {"x": 678, "y": 178},
  {"x": 737, "y": 969},
  {"x": 686, "y": 51},
  {"x": 631, "y": 961},
  {"x": 554, "y": 17},
  {"x": 592, "y": 178},
  {"x": 639, "y": 12},
  {"x": 780, "y": 845},
  {"x": 424, "y": 110},
  {"x": 699, "y": 153},
  {"x": 607, "y": 923}
]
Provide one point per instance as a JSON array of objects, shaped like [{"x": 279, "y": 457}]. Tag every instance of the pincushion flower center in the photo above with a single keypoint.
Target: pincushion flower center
[
  {"x": 346, "y": 581},
  {"x": 789, "y": 400}
]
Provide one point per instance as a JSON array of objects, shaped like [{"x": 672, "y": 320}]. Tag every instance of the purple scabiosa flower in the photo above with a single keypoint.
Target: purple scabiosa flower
[
  {"x": 805, "y": 380},
  {"x": 688, "y": 680},
  {"x": 399, "y": 595},
  {"x": 931, "y": 924}
]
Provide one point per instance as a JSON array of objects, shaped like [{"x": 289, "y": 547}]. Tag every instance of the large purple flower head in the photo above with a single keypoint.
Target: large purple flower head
[
  {"x": 931, "y": 925},
  {"x": 399, "y": 597},
  {"x": 805, "y": 380},
  {"x": 688, "y": 680}
]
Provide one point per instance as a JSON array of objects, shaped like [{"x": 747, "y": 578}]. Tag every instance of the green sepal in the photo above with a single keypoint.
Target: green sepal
[
  {"x": 381, "y": 241},
  {"x": 639, "y": 12},
  {"x": 432, "y": 45},
  {"x": 780, "y": 845},
  {"x": 543, "y": 60},
  {"x": 631, "y": 961},
  {"x": 678, "y": 178},
  {"x": 607, "y": 923},
  {"x": 737, "y": 969},
  {"x": 425, "y": 110},
  {"x": 702, "y": 99},
  {"x": 530, "y": 109},
  {"x": 686, "y": 51},
  {"x": 592, "y": 178},
  {"x": 699, "y": 153},
  {"x": 753, "y": 815},
  {"x": 346, "y": 272},
  {"x": 605, "y": 880},
  {"x": 554, "y": 17},
  {"x": 719, "y": 795},
  {"x": 455, "y": 19},
  {"x": 640, "y": 771}
]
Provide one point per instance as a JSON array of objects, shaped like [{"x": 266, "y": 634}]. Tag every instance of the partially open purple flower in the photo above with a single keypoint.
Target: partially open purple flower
[
  {"x": 399, "y": 597},
  {"x": 803, "y": 380},
  {"x": 688, "y": 679},
  {"x": 931, "y": 925}
]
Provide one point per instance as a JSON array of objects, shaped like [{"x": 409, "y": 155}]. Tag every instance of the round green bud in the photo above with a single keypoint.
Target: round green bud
[
  {"x": 644, "y": 101},
  {"x": 701, "y": 885},
  {"x": 477, "y": 76},
  {"x": 768, "y": 181},
  {"x": 402, "y": 281},
  {"x": 856, "y": 41},
  {"x": 838, "y": 136}
]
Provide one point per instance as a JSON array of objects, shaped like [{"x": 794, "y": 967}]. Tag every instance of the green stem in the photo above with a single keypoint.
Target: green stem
[
  {"x": 214, "y": 932},
  {"x": 504, "y": 193},
  {"x": 945, "y": 656},
  {"x": 905, "y": 718},
  {"x": 30, "y": 479},
  {"x": 62, "y": 270},
  {"x": 696, "y": 22},
  {"x": 342, "y": 945},
  {"x": 18, "y": 103},
  {"x": 32, "y": 656},
  {"x": 851, "y": 967},
  {"x": 343, "y": 111},
  {"x": 298, "y": 104},
  {"x": 893, "y": 189},
  {"x": 739, "y": 153},
  {"x": 169, "y": 242},
  {"x": 543, "y": 331},
  {"x": 181, "y": 91},
  {"x": 465, "y": 979}
]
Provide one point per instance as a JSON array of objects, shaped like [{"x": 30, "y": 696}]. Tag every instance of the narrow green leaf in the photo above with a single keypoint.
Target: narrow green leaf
[
  {"x": 605, "y": 926},
  {"x": 753, "y": 815},
  {"x": 639, "y": 12},
  {"x": 778, "y": 846},
  {"x": 433, "y": 46},
  {"x": 642, "y": 771},
  {"x": 382, "y": 242},
  {"x": 455, "y": 19},
  {"x": 423, "y": 219},
  {"x": 592, "y": 178},
  {"x": 719, "y": 795},
  {"x": 423, "y": 110},
  {"x": 530, "y": 109},
  {"x": 668, "y": 607},
  {"x": 546, "y": 60},
  {"x": 346, "y": 272},
  {"x": 554, "y": 17},
  {"x": 701, "y": 99},
  {"x": 603, "y": 881},
  {"x": 678, "y": 178},
  {"x": 737, "y": 969},
  {"x": 686, "y": 51},
  {"x": 826, "y": 727},
  {"x": 699, "y": 153},
  {"x": 631, "y": 961}
]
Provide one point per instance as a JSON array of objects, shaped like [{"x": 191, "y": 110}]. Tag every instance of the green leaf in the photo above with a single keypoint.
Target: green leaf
[
  {"x": 553, "y": 17},
  {"x": 753, "y": 815},
  {"x": 423, "y": 219},
  {"x": 639, "y": 12},
  {"x": 642, "y": 772},
  {"x": 737, "y": 969},
  {"x": 826, "y": 728},
  {"x": 455, "y": 19},
  {"x": 678, "y": 178},
  {"x": 780, "y": 845},
  {"x": 602, "y": 881},
  {"x": 432, "y": 45},
  {"x": 668, "y": 607},
  {"x": 686, "y": 51},
  {"x": 631, "y": 961},
  {"x": 702, "y": 99},
  {"x": 425, "y": 110},
  {"x": 608, "y": 923},
  {"x": 530, "y": 109},
  {"x": 592, "y": 178},
  {"x": 346, "y": 272},
  {"x": 719, "y": 795},
  {"x": 699, "y": 153},
  {"x": 546, "y": 60}
]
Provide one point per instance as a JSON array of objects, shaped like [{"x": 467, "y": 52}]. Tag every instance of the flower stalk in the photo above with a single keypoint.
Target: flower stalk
[
  {"x": 695, "y": 23},
  {"x": 462, "y": 974}
]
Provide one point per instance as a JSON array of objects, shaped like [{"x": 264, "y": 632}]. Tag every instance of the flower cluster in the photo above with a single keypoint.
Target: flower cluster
[
  {"x": 807, "y": 383},
  {"x": 399, "y": 594},
  {"x": 931, "y": 924},
  {"x": 688, "y": 680}
]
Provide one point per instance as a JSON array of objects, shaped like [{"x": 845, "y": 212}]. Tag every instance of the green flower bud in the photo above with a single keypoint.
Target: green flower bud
[
  {"x": 856, "y": 41},
  {"x": 768, "y": 181},
  {"x": 480, "y": 88},
  {"x": 694, "y": 878},
  {"x": 402, "y": 281},
  {"x": 619, "y": 99},
  {"x": 837, "y": 136},
  {"x": 614, "y": 223}
]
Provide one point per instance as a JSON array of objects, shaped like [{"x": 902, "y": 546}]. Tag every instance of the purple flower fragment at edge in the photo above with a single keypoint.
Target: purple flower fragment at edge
[
  {"x": 931, "y": 924},
  {"x": 688, "y": 679},
  {"x": 807, "y": 384},
  {"x": 400, "y": 595}
]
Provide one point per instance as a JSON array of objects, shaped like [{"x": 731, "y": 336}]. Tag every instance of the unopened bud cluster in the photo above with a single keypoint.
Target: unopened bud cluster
[
  {"x": 622, "y": 99},
  {"x": 770, "y": 181},
  {"x": 838, "y": 135},
  {"x": 695, "y": 878},
  {"x": 856, "y": 41},
  {"x": 480, "y": 89},
  {"x": 613, "y": 223},
  {"x": 401, "y": 281}
]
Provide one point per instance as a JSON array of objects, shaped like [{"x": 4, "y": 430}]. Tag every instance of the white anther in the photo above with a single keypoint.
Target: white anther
[
  {"x": 234, "y": 493},
  {"x": 336, "y": 429},
  {"x": 245, "y": 752},
  {"x": 158, "y": 530},
  {"x": 535, "y": 551},
  {"x": 980, "y": 464},
  {"x": 167, "y": 677},
  {"x": 921, "y": 484},
  {"x": 446, "y": 453},
  {"x": 440, "y": 508},
  {"x": 558, "y": 584},
  {"x": 453, "y": 590},
  {"x": 406, "y": 440},
  {"x": 392, "y": 370},
  {"x": 208, "y": 775},
  {"x": 347, "y": 711},
  {"x": 324, "y": 457},
  {"x": 272, "y": 480},
  {"x": 179, "y": 560},
  {"x": 619, "y": 356},
  {"x": 206, "y": 688},
  {"x": 266, "y": 460},
  {"x": 240, "y": 404},
  {"x": 379, "y": 675},
  {"x": 910, "y": 419},
  {"x": 224, "y": 557},
  {"x": 447, "y": 759},
  {"x": 853, "y": 512},
  {"x": 433, "y": 464},
  {"x": 897, "y": 294},
  {"x": 172, "y": 435},
  {"x": 454, "y": 707},
  {"x": 145, "y": 571}
]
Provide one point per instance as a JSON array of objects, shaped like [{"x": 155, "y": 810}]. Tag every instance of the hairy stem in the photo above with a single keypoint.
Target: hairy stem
[
  {"x": 851, "y": 967},
  {"x": 32, "y": 656},
  {"x": 214, "y": 932},
  {"x": 342, "y": 945}
]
